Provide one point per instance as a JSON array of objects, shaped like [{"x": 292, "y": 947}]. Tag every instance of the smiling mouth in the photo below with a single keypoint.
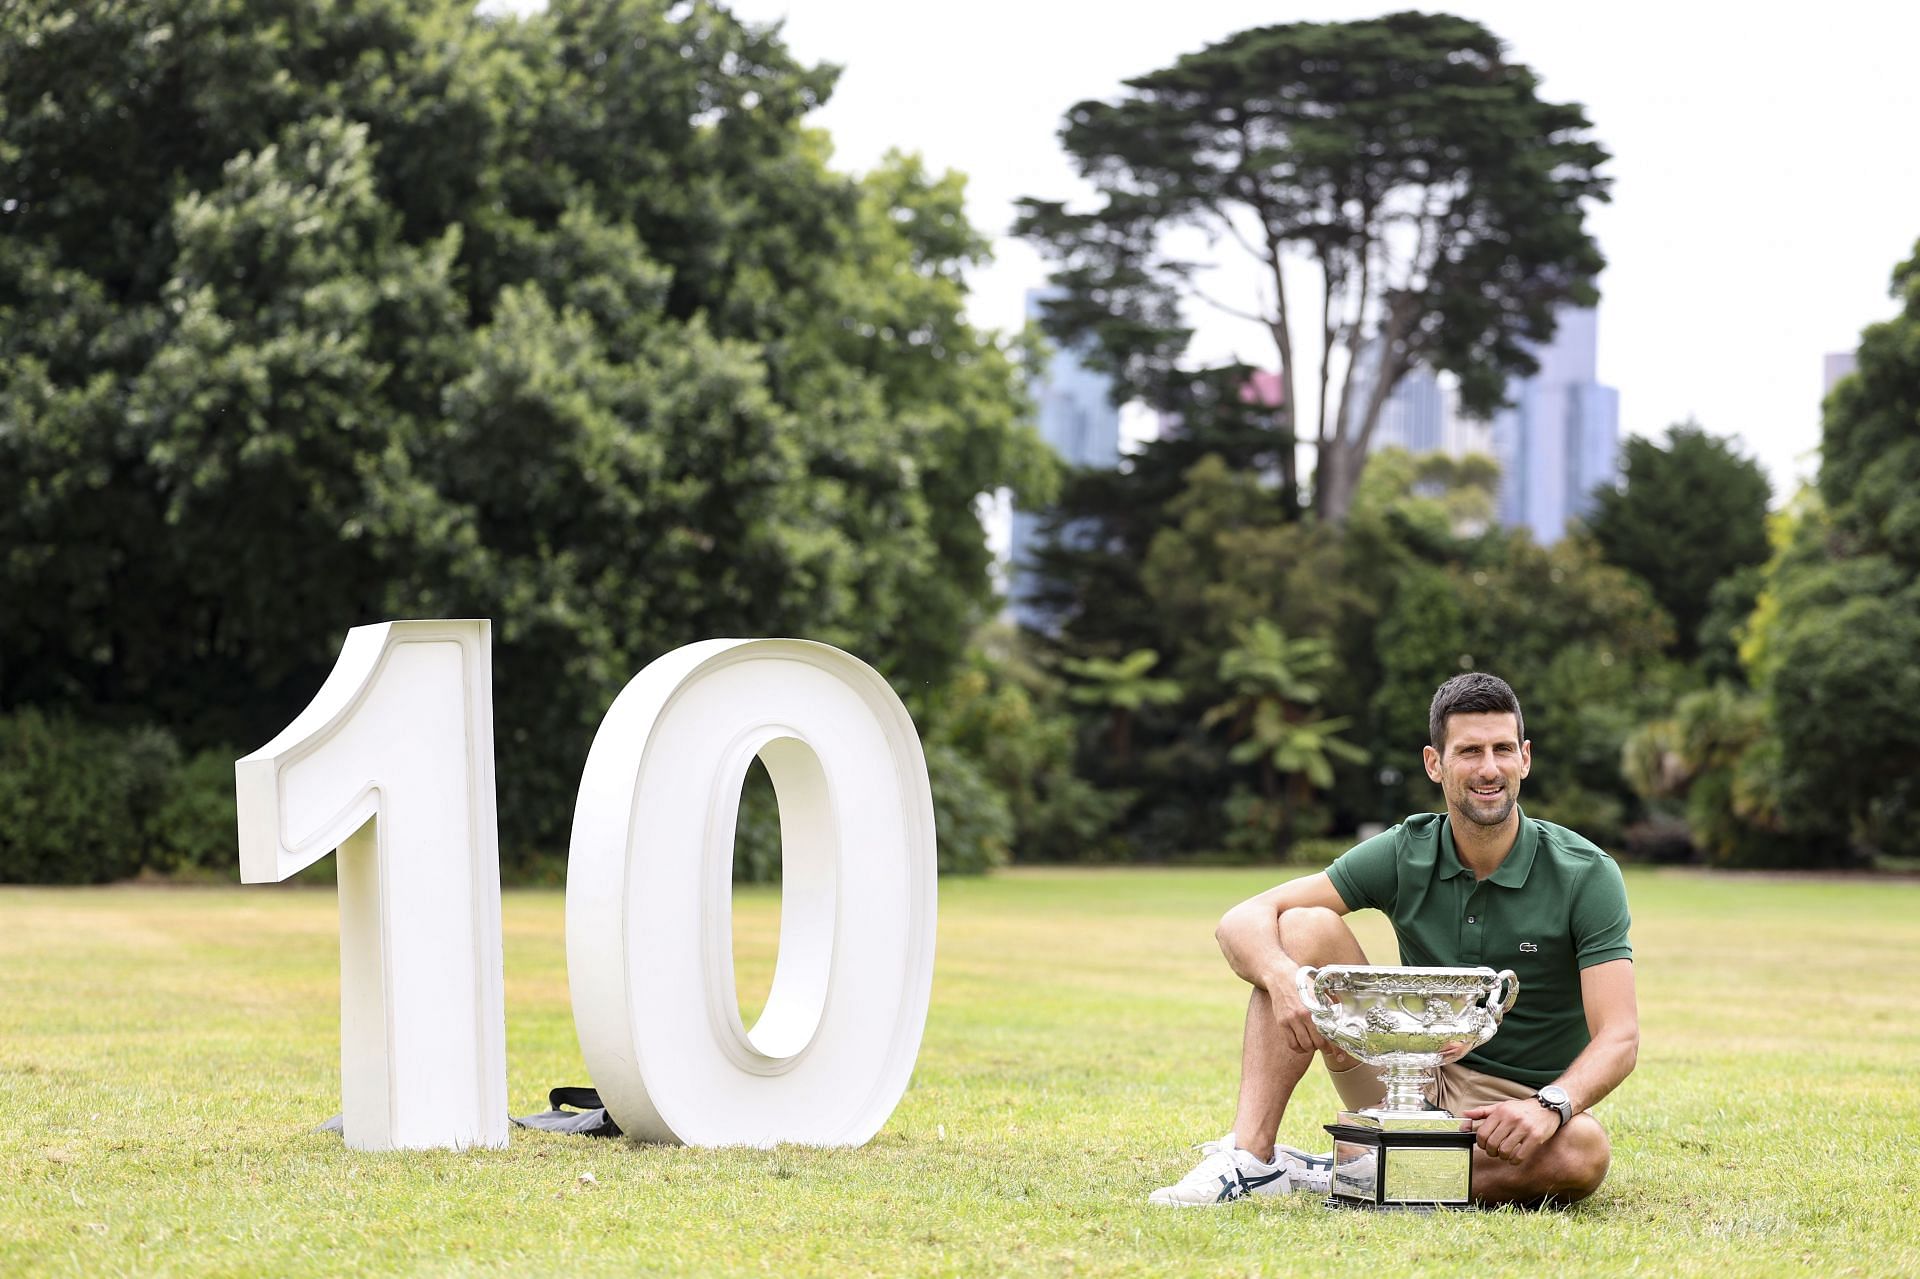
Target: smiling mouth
[{"x": 1486, "y": 792}]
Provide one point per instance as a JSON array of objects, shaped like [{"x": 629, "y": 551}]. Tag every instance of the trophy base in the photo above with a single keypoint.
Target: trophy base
[
  {"x": 1396, "y": 1169},
  {"x": 1402, "y": 1120}
]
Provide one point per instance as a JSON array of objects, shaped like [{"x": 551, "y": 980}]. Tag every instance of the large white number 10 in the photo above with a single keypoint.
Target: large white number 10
[{"x": 393, "y": 764}]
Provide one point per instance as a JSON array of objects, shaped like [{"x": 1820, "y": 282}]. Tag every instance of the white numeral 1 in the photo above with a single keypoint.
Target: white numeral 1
[{"x": 392, "y": 764}]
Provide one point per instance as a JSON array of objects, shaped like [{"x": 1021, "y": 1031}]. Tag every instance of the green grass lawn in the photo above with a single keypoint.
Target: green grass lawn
[{"x": 164, "y": 1053}]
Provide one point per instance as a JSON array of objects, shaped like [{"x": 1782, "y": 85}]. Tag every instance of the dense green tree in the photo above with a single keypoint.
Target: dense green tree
[
  {"x": 314, "y": 313},
  {"x": 1426, "y": 505},
  {"x": 1228, "y": 560},
  {"x": 1713, "y": 759},
  {"x": 197, "y": 497},
  {"x": 1099, "y": 532},
  {"x": 1092, "y": 582},
  {"x": 1420, "y": 643},
  {"x": 1272, "y": 717},
  {"x": 1267, "y": 664},
  {"x": 1230, "y": 563},
  {"x": 1299, "y": 750},
  {"x": 1834, "y": 643},
  {"x": 1730, "y": 606},
  {"x": 1580, "y": 640},
  {"x": 1404, "y": 160},
  {"x": 1122, "y": 687},
  {"x": 1002, "y": 711},
  {"x": 1220, "y": 557},
  {"x": 1689, "y": 513}
]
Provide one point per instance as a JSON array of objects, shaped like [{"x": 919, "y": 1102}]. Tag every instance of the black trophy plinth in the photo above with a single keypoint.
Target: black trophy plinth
[{"x": 1385, "y": 1170}]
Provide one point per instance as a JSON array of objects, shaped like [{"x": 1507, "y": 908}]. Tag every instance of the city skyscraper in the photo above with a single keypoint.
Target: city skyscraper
[
  {"x": 1558, "y": 440},
  {"x": 1415, "y": 416},
  {"x": 1561, "y": 437},
  {"x": 1421, "y": 416},
  {"x": 1078, "y": 419},
  {"x": 1836, "y": 366}
]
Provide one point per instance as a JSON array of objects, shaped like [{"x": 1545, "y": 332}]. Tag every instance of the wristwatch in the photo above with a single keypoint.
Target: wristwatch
[{"x": 1554, "y": 1098}]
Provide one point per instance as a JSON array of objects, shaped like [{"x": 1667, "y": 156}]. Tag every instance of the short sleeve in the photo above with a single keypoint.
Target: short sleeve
[
  {"x": 1600, "y": 918},
  {"x": 1368, "y": 874}
]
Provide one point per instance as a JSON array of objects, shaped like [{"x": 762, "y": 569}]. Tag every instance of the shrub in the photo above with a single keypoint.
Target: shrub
[
  {"x": 1591, "y": 814},
  {"x": 1730, "y": 837},
  {"x": 196, "y": 826},
  {"x": 78, "y": 804},
  {"x": 1661, "y": 839},
  {"x": 1024, "y": 752},
  {"x": 1319, "y": 850},
  {"x": 1716, "y": 759},
  {"x": 971, "y": 815},
  {"x": 1255, "y": 826}
]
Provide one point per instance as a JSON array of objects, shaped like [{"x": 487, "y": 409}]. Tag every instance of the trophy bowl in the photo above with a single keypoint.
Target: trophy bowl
[{"x": 1407, "y": 1021}]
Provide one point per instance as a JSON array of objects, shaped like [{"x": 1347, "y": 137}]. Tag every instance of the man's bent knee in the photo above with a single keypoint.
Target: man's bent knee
[
  {"x": 1316, "y": 918},
  {"x": 1587, "y": 1156},
  {"x": 1314, "y": 934},
  {"x": 1567, "y": 1169}
]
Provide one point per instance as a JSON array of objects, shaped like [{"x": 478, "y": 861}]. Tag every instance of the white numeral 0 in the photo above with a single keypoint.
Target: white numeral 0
[{"x": 393, "y": 764}]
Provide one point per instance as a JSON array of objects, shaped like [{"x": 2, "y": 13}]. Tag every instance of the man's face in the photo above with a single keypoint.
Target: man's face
[{"x": 1481, "y": 768}]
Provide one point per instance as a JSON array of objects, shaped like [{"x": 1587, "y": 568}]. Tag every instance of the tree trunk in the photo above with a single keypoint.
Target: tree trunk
[
  {"x": 1121, "y": 727},
  {"x": 1335, "y": 479},
  {"x": 1286, "y": 817},
  {"x": 1290, "y": 467},
  {"x": 1343, "y": 455}
]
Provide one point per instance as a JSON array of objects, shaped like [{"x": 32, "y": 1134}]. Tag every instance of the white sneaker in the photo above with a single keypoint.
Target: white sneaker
[
  {"x": 1307, "y": 1172},
  {"x": 1226, "y": 1173}
]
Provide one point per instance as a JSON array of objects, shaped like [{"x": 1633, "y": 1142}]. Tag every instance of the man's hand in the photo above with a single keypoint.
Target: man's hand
[
  {"x": 1296, "y": 1023},
  {"x": 1513, "y": 1130}
]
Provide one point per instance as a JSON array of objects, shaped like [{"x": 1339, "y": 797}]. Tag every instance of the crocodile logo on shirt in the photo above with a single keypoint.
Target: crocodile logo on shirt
[{"x": 1529, "y": 948}]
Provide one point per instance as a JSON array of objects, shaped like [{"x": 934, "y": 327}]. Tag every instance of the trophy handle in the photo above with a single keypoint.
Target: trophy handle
[
  {"x": 1506, "y": 989},
  {"x": 1307, "y": 982}
]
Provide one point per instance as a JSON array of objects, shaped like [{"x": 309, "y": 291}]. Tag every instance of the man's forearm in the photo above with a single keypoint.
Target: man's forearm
[{"x": 1600, "y": 1068}]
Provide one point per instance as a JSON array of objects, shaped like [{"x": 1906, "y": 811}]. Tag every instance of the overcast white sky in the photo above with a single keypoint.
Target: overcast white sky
[{"x": 1766, "y": 170}]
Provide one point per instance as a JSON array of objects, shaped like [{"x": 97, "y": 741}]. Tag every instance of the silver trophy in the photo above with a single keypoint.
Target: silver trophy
[{"x": 1408, "y": 1022}]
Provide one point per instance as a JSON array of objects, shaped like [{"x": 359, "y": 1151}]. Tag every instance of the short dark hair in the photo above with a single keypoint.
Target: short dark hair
[{"x": 1474, "y": 693}]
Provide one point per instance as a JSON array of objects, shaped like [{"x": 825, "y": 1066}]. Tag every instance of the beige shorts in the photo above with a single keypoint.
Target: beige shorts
[{"x": 1460, "y": 1088}]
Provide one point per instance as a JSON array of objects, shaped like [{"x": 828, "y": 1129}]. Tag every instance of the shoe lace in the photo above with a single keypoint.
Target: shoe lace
[{"x": 1216, "y": 1160}]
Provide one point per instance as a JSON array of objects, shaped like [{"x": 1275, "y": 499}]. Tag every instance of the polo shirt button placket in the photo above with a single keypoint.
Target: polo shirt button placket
[{"x": 1473, "y": 944}]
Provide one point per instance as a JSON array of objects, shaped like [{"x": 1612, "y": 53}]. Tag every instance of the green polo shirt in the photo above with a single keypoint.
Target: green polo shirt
[{"x": 1556, "y": 905}]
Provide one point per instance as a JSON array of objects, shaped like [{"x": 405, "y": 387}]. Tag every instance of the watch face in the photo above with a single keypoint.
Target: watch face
[{"x": 1555, "y": 1094}]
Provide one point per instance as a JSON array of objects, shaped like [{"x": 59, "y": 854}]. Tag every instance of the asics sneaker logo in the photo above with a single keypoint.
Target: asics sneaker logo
[{"x": 1241, "y": 1184}]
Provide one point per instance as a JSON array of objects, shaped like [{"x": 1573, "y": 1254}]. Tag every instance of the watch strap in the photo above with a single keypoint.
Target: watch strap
[{"x": 1564, "y": 1109}]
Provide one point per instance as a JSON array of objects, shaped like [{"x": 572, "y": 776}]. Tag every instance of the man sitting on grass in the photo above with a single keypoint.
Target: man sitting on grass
[{"x": 1482, "y": 884}]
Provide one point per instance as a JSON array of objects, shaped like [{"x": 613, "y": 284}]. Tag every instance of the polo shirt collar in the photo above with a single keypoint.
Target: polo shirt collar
[{"x": 1512, "y": 872}]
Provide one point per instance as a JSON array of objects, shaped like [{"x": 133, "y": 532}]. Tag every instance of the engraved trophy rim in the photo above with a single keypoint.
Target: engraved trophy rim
[{"x": 1479, "y": 972}]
